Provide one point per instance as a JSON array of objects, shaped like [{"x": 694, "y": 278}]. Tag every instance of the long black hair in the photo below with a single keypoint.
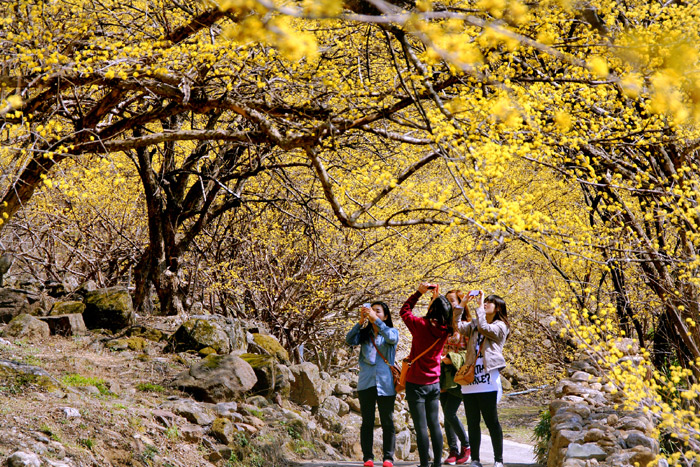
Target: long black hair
[
  {"x": 367, "y": 333},
  {"x": 501, "y": 309},
  {"x": 440, "y": 310}
]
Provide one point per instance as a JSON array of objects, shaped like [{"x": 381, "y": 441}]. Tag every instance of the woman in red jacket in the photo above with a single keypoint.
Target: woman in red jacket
[{"x": 423, "y": 380}]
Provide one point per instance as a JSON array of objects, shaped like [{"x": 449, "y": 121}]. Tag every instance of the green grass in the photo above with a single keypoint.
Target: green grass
[
  {"x": 150, "y": 387},
  {"x": 76, "y": 380}
]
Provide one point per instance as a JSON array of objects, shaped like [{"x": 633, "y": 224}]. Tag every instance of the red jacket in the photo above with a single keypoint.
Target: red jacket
[{"x": 426, "y": 370}]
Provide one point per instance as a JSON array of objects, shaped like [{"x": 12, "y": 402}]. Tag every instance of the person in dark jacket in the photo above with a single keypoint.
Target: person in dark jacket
[{"x": 423, "y": 379}]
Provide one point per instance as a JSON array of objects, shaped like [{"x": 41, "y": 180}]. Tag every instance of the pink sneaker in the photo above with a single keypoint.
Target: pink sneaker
[
  {"x": 369, "y": 463},
  {"x": 388, "y": 464},
  {"x": 463, "y": 456}
]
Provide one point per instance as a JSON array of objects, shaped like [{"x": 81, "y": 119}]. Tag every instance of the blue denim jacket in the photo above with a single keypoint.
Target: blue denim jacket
[{"x": 373, "y": 370}]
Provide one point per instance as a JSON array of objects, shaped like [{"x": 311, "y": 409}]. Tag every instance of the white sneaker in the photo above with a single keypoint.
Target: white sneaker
[
  {"x": 476, "y": 464},
  {"x": 498, "y": 464}
]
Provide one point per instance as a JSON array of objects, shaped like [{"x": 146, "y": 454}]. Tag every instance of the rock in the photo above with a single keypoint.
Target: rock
[
  {"x": 354, "y": 404},
  {"x": 308, "y": 388},
  {"x": 585, "y": 451},
  {"x": 10, "y": 370},
  {"x": 197, "y": 334},
  {"x": 130, "y": 343},
  {"x": 224, "y": 430},
  {"x": 505, "y": 384},
  {"x": 23, "y": 459},
  {"x": 272, "y": 376},
  {"x": 147, "y": 333},
  {"x": 336, "y": 406},
  {"x": 70, "y": 412},
  {"x": 109, "y": 308},
  {"x": 55, "y": 289},
  {"x": 28, "y": 327},
  {"x": 67, "y": 308},
  {"x": 226, "y": 409},
  {"x": 14, "y": 302},
  {"x": 639, "y": 439},
  {"x": 65, "y": 324},
  {"x": 217, "y": 378},
  {"x": 191, "y": 433},
  {"x": 269, "y": 346},
  {"x": 342, "y": 389},
  {"x": 403, "y": 445},
  {"x": 192, "y": 411}
]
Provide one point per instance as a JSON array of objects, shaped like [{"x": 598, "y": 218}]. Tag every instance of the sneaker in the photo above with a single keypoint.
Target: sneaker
[
  {"x": 387, "y": 464},
  {"x": 451, "y": 458},
  {"x": 463, "y": 456},
  {"x": 369, "y": 463},
  {"x": 498, "y": 464},
  {"x": 475, "y": 464}
]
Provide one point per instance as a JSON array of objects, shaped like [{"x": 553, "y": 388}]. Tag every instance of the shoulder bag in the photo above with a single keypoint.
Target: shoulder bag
[{"x": 465, "y": 374}]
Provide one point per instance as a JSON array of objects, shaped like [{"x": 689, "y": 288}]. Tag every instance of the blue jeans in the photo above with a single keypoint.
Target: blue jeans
[
  {"x": 424, "y": 406},
  {"x": 368, "y": 398}
]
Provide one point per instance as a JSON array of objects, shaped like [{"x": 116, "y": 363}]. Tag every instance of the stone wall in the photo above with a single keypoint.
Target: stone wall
[{"x": 587, "y": 430}]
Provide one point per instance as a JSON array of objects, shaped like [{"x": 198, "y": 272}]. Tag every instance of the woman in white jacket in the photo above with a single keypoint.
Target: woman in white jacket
[{"x": 487, "y": 334}]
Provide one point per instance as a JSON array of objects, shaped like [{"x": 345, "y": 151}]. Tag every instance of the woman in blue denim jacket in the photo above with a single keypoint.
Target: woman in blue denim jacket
[{"x": 375, "y": 386}]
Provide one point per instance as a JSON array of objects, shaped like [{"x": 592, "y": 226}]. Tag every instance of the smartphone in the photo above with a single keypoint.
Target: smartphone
[
  {"x": 431, "y": 287},
  {"x": 473, "y": 293},
  {"x": 367, "y": 305}
]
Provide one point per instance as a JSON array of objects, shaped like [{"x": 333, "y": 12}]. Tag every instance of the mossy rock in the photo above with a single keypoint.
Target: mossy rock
[
  {"x": 197, "y": 334},
  {"x": 110, "y": 308},
  {"x": 130, "y": 343},
  {"x": 17, "y": 377},
  {"x": 272, "y": 347},
  {"x": 67, "y": 308},
  {"x": 147, "y": 333},
  {"x": 224, "y": 430},
  {"x": 206, "y": 351}
]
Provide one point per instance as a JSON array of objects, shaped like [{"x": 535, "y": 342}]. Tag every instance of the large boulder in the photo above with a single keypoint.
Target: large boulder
[
  {"x": 27, "y": 326},
  {"x": 217, "y": 378},
  {"x": 109, "y": 308},
  {"x": 197, "y": 334},
  {"x": 307, "y": 387},
  {"x": 273, "y": 377},
  {"x": 14, "y": 302},
  {"x": 66, "y": 325}
]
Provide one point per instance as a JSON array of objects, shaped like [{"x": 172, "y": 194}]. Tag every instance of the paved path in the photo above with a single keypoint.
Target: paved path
[{"x": 514, "y": 455}]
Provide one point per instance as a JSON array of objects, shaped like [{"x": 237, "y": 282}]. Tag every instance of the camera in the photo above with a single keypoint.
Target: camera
[{"x": 365, "y": 320}]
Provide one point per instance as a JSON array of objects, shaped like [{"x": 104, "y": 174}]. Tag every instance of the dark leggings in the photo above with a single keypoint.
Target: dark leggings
[
  {"x": 424, "y": 406},
  {"x": 368, "y": 398},
  {"x": 475, "y": 405},
  {"x": 453, "y": 427}
]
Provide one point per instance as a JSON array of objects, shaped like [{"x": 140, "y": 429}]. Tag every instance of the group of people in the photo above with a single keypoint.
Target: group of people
[{"x": 442, "y": 341}]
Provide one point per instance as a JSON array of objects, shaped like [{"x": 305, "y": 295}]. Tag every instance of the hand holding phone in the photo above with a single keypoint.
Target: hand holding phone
[{"x": 474, "y": 293}]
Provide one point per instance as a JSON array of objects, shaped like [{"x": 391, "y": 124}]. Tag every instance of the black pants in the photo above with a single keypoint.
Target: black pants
[
  {"x": 475, "y": 405},
  {"x": 424, "y": 405},
  {"x": 453, "y": 427},
  {"x": 368, "y": 398}
]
